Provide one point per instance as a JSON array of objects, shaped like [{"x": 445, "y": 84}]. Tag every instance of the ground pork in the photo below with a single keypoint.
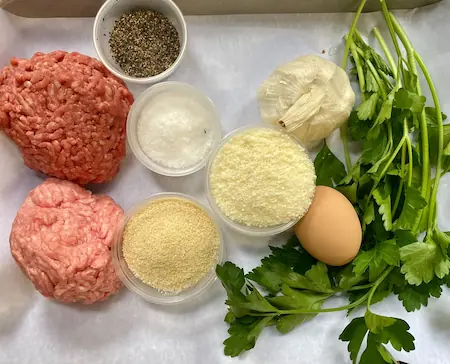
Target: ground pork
[
  {"x": 67, "y": 114},
  {"x": 61, "y": 239}
]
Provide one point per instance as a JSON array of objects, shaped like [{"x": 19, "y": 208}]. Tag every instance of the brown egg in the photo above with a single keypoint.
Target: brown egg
[{"x": 330, "y": 231}]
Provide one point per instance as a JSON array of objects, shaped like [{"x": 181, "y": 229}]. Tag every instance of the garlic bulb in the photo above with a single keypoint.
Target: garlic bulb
[{"x": 309, "y": 97}]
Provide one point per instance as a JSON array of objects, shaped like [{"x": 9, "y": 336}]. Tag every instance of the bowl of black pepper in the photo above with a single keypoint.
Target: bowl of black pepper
[{"x": 140, "y": 41}]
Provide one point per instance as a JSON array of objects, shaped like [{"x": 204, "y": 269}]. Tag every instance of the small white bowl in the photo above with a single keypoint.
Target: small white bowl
[
  {"x": 112, "y": 10},
  {"x": 189, "y": 93}
]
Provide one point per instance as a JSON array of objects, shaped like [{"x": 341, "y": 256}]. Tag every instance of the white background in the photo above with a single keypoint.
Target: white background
[{"x": 227, "y": 58}]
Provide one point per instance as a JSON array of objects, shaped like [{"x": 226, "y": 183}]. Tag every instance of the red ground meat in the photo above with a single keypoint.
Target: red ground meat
[
  {"x": 67, "y": 114},
  {"x": 61, "y": 239}
]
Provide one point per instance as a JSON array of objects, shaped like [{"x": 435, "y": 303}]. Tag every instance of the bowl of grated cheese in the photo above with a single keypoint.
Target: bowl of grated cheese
[{"x": 260, "y": 181}]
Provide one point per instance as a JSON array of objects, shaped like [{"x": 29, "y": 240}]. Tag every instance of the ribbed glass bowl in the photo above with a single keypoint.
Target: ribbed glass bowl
[
  {"x": 241, "y": 228},
  {"x": 147, "y": 292}
]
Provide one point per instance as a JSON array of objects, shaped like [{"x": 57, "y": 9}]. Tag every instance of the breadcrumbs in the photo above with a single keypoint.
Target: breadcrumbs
[
  {"x": 262, "y": 178},
  {"x": 171, "y": 244}
]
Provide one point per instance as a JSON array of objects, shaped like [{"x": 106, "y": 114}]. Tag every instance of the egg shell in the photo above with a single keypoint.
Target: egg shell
[{"x": 330, "y": 231}]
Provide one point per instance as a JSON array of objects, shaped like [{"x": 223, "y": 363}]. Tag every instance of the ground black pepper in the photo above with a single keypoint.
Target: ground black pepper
[{"x": 144, "y": 43}]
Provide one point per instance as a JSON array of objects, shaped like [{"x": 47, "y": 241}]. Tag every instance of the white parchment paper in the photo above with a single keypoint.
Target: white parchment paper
[{"x": 227, "y": 58}]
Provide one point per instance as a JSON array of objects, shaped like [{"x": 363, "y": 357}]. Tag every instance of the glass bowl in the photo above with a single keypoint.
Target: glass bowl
[
  {"x": 147, "y": 292},
  {"x": 242, "y": 228},
  {"x": 189, "y": 93}
]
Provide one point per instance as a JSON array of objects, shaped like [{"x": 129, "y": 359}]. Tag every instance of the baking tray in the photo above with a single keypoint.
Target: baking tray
[
  {"x": 227, "y": 57},
  {"x": 80, "y": 8}
]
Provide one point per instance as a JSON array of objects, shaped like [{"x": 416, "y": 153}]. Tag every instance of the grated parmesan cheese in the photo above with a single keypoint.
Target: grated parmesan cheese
[{"x": 262, "y": 178}]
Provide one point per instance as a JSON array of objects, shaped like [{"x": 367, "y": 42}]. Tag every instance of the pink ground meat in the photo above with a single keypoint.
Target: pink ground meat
[
  {"x": 67, "y": 114},
  {"x": 61, "y": 238}
]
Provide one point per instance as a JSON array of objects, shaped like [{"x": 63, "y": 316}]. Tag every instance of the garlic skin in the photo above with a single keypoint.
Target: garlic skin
[{"x": 309, "y": 97}]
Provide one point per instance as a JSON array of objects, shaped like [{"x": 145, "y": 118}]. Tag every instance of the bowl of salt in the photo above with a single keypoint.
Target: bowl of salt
[{"x": 173, "y": 128}]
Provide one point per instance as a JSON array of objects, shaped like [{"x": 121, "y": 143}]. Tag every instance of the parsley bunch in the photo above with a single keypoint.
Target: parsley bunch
[{"x": 393, "y": 190}]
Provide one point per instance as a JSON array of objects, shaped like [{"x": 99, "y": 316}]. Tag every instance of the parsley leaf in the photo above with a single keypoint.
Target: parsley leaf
[
  {"x": 354, "y": 334},
  {"x": 293, "y": 255},
  {"x": 414, "y": 297},
  {"x": 382, "y": 197},
  {"x": 398, "y": 336},
  {"x": 316, "y": 279},
  {"x": 358, "y": 130},
  {"x": 376, "y": 323},
  {"x": 349, "y": 191},
  {"x": 294, "y": 299},
  {"x": 367, "y": 109},
  {"x": 279, "y": 263},
  {"x": 329, "y": 168},
  {"x": 287, "y": 323},
  {"x": 243, "y": 334},
  {"x": 404, "y": 237},
  {"x": 375, "y": 353},
  {"x": 269, "y": 274},
  {"x": 371, "y": 82},
  {"x": 430, "y": 113},
  {"x": 409, "y": 101},
  {"x": 414, "y": 203},
  {"x": 423, "y": 261},
  {"x": 386, "y": 110},
  {"x": 346, "y": 278},
  {"x": 232, "y": 277},
  {"x": 382, "y": 330},
  {"x": 410, "y": 79},
  {"x": 256, "y": 302},
  {"x": 369, "y": 214},
  {"x": 374, "y": 149},
  {"x": 376, "y": 260}
]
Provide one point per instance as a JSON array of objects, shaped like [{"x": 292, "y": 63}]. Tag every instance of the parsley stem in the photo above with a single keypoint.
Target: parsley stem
[
  {"x": 344, "y": 127},
  {"x": 385, "y": 169},
  {"x": 408, "y": 147},
  {"x": 410, "y": 159},
  {"x": 361, "y": 78},
  {"x": 309, "y": 311},
  {"x": 386, "y": 79},
  {"x": 440, "y": 125},
  {"x": 385, "y": 10},
  {"x": 377, "y": 78},
  {"x": 402, "y": 176},
  {"x": 359, "y": 288},
  {"x": 350, "y": 34},
  {"x": 385, "y": 49},
  {"x": 411, "y": 60},
  {"x": 393, "y": 156},
  {"x": 380, "y": 280}
]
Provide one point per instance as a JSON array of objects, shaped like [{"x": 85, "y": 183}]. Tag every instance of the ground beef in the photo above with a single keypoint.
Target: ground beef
[
  {"x": 67, "y": 114},
  {"x": 61, "y": 239}
]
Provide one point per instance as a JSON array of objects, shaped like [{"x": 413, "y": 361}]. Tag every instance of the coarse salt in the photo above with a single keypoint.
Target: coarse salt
[{"x": 175, "y": 131}]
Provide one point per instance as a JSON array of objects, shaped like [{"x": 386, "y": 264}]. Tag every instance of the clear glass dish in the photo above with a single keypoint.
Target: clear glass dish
[
  {"x": 241, "y": 228},
  {"x": 147, "y": 292},
  {"x": 188, "y": 92}
]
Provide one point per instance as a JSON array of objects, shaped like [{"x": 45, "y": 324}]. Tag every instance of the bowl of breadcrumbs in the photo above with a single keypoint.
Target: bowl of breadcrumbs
[{"x": 167, "y": 247}]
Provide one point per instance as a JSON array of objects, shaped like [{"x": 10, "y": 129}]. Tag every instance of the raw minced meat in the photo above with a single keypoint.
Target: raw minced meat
[
  {"x": 67, "y": 114},
  {"x": 61, "y": 238}
]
